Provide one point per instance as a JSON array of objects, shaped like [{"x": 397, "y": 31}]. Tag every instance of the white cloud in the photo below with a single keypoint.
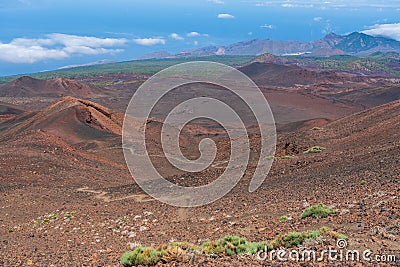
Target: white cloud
[
  {"x": 20, "y": 54},
  {"x": 196, "y": 34},
  {"x": 219, "y": 2},
  {"x": 193, "y": 34},
  {"x": 176, "y": 36},
  {"x": 225, "y": 16},
  {"x": 287, "y": 5},
  {"x": 385, "y": 30},
  {"x": 74, "y": 40},
  {"x": 56, "y": 46},
  {"x": 149, "y": 41},
  {"x": 267, "y": 26},
  {"x": 317, "y": 19},
  {"x": 195, "y": 43},
  {"x": 85, "y": 50}
]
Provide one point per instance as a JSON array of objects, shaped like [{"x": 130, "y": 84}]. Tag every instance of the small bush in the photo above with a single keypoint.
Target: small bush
[
  {"x": 317, "y": 211},
  {"x": 283, "y": 219},
  {"x": 363, "y": 182},
  {"x": 231, "y": 245},
  {"x": 228, "y": 245},
  {"x": 175, "y": 254},
  {"x": 289, "y": 240},
  {"x": 52, "y": 216},
  {"x": 142, "y": 256},
  {"x": 314, "y": 149},
  {"x": 297, "y": 238},
  {"x": 212, "y": 247}
]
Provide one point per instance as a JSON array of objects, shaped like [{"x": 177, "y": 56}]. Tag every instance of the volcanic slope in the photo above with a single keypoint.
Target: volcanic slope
[
  {"x": 26, "y": 86},
  {"x": 357, "y": 174},
  {"x": 74, "y": 120}
]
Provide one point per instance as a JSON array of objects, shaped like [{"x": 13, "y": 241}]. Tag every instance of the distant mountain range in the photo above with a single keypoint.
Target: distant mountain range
[{"x": 356, "y": 43}]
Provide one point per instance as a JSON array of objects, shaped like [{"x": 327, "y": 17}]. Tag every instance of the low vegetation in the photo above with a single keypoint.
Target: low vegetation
[
  {"x": 231, "y": 245},
  {"x": 142, "y": 256},
  {"x": 228, "y": 245},
  {"x": 294, "y": 239},
  {"x": 146, "y": 66},
  {"x": 317, "y": 211},
  {"x": 314, "y": 149},
  {"x": 283, "y": 219}
]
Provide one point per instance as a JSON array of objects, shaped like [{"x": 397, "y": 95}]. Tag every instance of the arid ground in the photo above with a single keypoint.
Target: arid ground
[{"x": 68, "y": 199}]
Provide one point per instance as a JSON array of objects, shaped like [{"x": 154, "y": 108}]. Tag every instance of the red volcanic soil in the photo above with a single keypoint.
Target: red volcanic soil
[
  {"x": 303, "y": 125},
  {"x": 268, "y": 74},
  {"x": 74, "y": 120},
  {"x": 30, "y": 87},
  {"x": 63, "y": 205},
  {"x": 290, "y": 105}
]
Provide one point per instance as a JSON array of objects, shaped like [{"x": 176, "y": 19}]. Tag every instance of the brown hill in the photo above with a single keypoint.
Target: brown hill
[
  {"x": 30, "y": 87},
  {"x": 269, "y": 74},
  {"x": 370, "y": 97},
  {"x": 372, "y": 127},
  {"x": 74, "y": 120}
]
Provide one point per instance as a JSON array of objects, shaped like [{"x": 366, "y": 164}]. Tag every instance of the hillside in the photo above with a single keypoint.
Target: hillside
[
  {"x": 72, "y": 119},
  {"x": 26, "y": 86}
]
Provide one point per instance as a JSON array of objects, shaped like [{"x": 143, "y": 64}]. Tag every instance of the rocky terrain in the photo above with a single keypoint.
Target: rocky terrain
[{"x": 68, "y": 199}]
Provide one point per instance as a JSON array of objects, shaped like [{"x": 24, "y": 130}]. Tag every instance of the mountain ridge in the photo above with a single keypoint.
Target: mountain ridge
[{"x": 355, "y": 43}]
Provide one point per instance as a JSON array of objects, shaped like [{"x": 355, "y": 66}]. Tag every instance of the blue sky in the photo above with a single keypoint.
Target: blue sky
[{"x": 39, "y": 35}]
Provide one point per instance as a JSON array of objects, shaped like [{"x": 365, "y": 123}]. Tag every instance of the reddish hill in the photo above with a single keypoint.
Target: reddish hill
[
  {"x": 29, "y": 87},
  {"x": 265, "y": 74},
  {"x": 368, "y": 128},
  {"x": 74, "y": 120}
]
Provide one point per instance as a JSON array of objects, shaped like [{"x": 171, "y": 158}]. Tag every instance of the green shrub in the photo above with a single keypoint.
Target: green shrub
[
  {"x": 142, "y": 256},
  {"x": 317, "y": 211},
  {"x": 231, "y": 245},
  {"x": 297, "y": 238},
  {"x": 212, "y": 247},
  {"x": 290, "y": 240},
  {"x": 314, "y": 149},
  {"x": 363, "y": 182},
  {"x": 228, "y": 245},
  {"x": 283, "y": 219}
]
